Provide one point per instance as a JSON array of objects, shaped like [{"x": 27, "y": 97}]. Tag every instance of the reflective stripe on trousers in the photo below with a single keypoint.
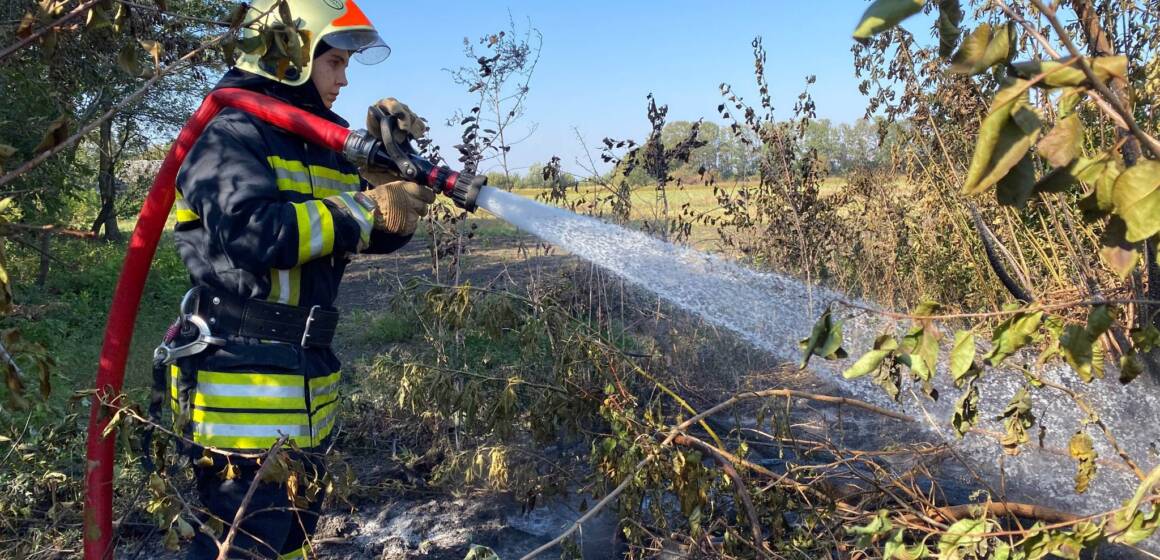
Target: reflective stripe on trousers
[{"x": 251, "y": 411}]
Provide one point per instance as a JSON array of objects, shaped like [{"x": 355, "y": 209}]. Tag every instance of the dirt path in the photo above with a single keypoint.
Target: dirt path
[{"x": 499, "y": 261}]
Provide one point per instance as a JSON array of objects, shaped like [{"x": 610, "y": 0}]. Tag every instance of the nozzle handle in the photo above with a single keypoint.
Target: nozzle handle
[{"x": 365, "y": 150}]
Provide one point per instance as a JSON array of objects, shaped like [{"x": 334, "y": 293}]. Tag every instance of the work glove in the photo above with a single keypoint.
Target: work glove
[
  {"x": 400, "y": 205},
  {"x": 410, "y": 126}
]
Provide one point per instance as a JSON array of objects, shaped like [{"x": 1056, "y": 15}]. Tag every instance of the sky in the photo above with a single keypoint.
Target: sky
[{"x": 600, "y": 59}]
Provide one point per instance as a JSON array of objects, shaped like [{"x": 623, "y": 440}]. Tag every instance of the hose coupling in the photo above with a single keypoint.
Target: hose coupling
[{"x": 359, "y": 147}]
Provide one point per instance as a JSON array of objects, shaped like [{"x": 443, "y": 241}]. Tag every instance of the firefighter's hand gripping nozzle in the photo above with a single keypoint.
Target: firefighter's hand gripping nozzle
[{"x": 363, "y": 149}]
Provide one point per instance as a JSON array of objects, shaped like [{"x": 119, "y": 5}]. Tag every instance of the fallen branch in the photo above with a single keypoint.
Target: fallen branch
[
  {"x": 679, "y": 429},
  {"x": 1006, "y": 509}
]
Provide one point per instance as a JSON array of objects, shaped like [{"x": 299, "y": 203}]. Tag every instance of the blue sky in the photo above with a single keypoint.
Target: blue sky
[{"x": 601, "y": 58}]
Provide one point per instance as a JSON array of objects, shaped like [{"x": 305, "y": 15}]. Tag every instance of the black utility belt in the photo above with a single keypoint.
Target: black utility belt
[{"x": 310, "y": 327}]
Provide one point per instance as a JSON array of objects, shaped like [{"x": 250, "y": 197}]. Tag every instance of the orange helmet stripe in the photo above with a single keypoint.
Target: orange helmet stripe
[{"x": 354, "y": 17}]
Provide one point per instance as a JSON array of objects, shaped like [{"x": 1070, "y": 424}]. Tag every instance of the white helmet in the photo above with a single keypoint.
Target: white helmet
[{"x": 273, "y": 49}]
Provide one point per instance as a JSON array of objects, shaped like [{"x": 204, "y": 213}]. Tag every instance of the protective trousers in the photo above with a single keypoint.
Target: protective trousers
[
  {"x": 274, "y": 525},
  {"x": 243, "y": 398}
]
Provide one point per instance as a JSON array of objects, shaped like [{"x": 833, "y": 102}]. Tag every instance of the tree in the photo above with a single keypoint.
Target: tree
[
  {"x": 500, "y": 74},
  {"x": 1068, "y": 155},
  {"x": 67, "y": 78}
]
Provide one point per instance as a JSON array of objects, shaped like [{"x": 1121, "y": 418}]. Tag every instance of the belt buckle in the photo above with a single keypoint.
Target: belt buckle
[{"x": 309, "y": 323}]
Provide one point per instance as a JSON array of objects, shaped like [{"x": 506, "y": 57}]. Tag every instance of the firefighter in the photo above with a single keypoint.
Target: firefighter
[{"x": 266, "y": 224}]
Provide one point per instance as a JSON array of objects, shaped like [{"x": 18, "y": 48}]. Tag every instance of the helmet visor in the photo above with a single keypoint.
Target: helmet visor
[{"x": 365, "y": 45}]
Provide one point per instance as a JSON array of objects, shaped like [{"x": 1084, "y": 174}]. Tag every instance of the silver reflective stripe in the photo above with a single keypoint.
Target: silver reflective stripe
[
  {"x": 248, "y": 430},
  {"x": 295, "y": 176},
  {"x": 315, "y": 230},
  {"x": 324, "y": 391},
  {"x": 325, "y": 422},
  {"x": 357, "y": 210},
  {"x": 227, "y": 390},
  {"x": 284, "y": 286},
  {"x": 333, "y": 185}
]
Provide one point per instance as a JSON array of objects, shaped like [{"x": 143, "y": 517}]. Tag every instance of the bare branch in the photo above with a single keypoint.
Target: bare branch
[{"x": 224, "y": 548}]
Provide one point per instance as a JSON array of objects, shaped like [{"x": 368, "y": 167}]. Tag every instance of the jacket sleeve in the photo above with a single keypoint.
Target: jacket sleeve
[
  {"x": 381, "y": 242},
  {"x": 228, "y": 181}
]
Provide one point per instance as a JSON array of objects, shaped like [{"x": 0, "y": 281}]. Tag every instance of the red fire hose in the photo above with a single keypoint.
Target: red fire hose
[{"x": 127, "y": 297}]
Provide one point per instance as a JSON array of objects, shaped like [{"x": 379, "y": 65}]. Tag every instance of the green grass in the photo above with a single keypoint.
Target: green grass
[
  {"x": 68, "y": 314},
  {"x": 387, "y": 328}
]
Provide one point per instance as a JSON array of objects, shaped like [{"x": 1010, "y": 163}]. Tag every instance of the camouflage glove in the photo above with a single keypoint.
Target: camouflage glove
[{"x": 400, "y": 205}]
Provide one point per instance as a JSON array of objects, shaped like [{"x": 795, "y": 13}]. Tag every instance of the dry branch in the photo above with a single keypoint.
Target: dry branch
[
  {"x": 46, "y": 230},
  {"x": 224, "y": 548},
  {"x": 739, "y": 482},
  {"x": 1002, "y": 509}
]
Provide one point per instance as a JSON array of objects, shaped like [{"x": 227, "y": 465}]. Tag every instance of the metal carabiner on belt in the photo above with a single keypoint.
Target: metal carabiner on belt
[{"x": 166, "y": 353}]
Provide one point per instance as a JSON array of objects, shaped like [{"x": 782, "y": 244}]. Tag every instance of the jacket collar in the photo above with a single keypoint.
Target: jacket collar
[{"x": 304, "y": 97}]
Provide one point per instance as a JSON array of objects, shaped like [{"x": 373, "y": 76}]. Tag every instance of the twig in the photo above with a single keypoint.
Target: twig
[
  {"x": 76, "y": 12},
  {"x": 1112, "y": 99},
  {"x": 49, "y": 229},
  {"x": 224, "y": 548},
  {"x": 1095, "y": 418}
]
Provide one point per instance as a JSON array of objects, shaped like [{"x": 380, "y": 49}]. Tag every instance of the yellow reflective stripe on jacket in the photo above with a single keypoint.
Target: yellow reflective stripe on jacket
[
  {"x": 184, "y": 211},
  {"x": 323, "y": 423},
  {"x": 291, "y": 175},
  {"x": 330, "y": 182},
  {"x": 247, "y": 442},
  {"x": 315, "y": 230},
  {"x": 250, "y": 391},
  {"x": 285, "y": 286},
  {"x": 323, "y": 404},
  {"x": 323, "y": 391},
  {"x": 251, "y": 411},
  {"x": 261, "y": 381},
  {"x": 174, "y": 401},
  {"x": 314, "y": 180},
  {"x": 325, "y": 385},
  {"x": 290, "y": 420}
]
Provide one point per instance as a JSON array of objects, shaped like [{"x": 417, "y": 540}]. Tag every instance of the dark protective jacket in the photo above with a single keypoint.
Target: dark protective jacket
[
  {"x": 263, "y": 214},
  {"x": 259, "y": 213}
]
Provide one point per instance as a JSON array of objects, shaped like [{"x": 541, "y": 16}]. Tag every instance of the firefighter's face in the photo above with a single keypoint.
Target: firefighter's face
[{"x": 328, "y": 72}]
